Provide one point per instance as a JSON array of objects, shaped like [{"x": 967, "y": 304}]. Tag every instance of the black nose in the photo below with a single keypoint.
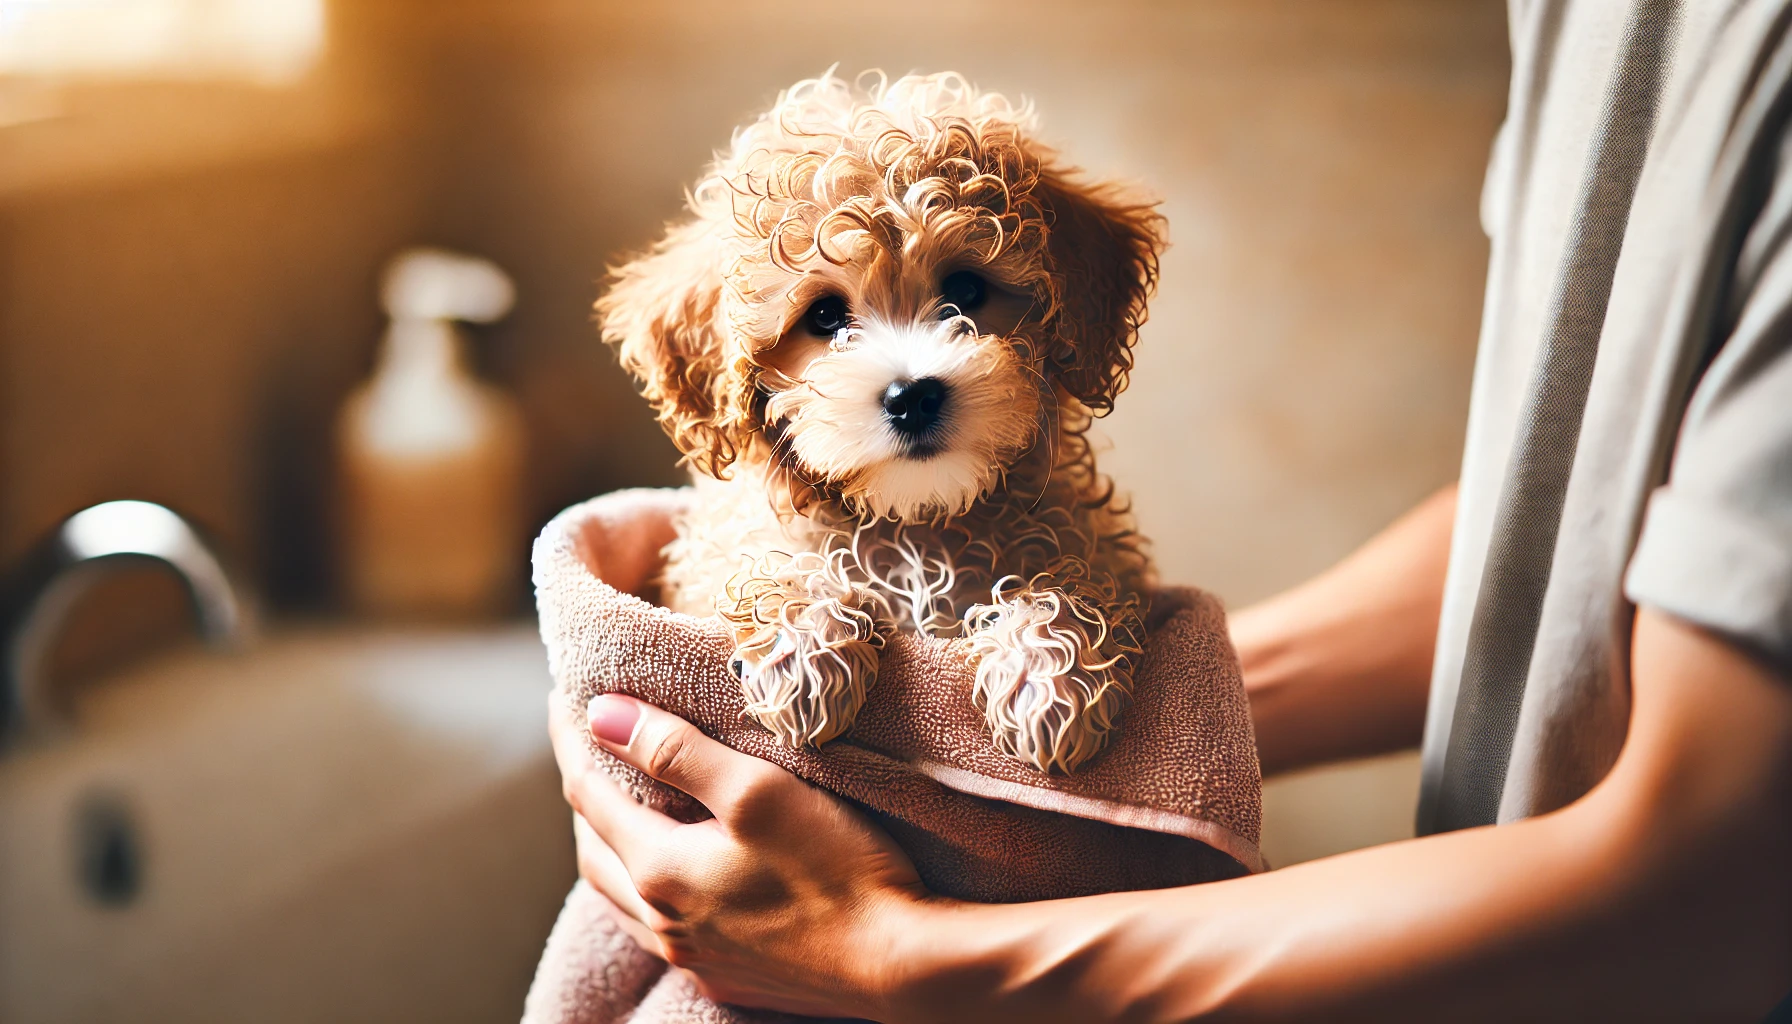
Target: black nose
[{"x": 913, "y": 407}]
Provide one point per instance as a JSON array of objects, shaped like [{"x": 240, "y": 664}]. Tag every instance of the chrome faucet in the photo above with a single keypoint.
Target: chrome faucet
[{"x": 38, "y": 596}]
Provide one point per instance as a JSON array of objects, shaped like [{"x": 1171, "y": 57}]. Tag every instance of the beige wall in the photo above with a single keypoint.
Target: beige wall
[{"x": 184, "y": 334}]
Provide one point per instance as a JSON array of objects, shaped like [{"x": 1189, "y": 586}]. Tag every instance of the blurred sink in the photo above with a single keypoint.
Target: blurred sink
[{"x": 338, "y": 825}]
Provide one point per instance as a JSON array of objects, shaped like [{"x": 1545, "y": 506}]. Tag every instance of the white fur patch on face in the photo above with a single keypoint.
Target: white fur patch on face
[{"x": 833, "y": 420}]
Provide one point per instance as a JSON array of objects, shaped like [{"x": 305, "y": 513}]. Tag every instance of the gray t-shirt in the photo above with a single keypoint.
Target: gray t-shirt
[{"x": 1630, "y": 435}]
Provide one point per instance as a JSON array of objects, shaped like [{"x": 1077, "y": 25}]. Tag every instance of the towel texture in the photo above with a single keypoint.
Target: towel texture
[{"x": 1175, "y": 799}]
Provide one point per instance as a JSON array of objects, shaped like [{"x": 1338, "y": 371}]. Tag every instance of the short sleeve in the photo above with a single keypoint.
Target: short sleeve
[{"x": 1716, "y": 543}]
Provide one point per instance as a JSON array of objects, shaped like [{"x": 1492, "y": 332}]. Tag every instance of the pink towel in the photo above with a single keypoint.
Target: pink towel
[{"x": 1174, "y": 800}]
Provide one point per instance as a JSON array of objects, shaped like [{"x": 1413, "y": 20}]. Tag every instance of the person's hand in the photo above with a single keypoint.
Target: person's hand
[{"x": 787, "y": 899}]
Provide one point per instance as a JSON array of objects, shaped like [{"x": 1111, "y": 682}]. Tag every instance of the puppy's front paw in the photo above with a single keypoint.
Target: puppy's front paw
[
  {"x": 805, "y": 676},
  {"x": 1049, "y": 692}
]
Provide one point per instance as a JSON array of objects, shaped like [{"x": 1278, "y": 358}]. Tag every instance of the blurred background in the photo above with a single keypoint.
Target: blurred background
[{"x": 343, "y": 808}]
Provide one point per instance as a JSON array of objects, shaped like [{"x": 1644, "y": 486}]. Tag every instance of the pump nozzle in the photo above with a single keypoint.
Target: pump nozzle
[{"x": 435, "y": 284}]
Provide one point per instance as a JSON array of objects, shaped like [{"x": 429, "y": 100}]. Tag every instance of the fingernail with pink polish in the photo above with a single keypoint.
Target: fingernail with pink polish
[{"x": 613, "y": 718}]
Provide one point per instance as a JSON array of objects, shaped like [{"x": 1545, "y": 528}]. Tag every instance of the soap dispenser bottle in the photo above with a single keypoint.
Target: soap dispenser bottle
[{"x": 431, "y": 457}]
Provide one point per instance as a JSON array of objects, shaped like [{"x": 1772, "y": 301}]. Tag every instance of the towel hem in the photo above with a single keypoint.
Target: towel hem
[{"x": 1219, "y": 837}]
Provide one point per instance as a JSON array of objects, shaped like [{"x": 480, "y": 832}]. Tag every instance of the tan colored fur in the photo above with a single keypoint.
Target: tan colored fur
[{"x": 805, "y": 532}]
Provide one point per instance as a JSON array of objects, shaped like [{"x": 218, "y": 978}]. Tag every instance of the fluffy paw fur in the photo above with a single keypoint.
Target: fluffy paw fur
[
  {"x": 807, "y": 652},
  {"x": 1051, "y": 679}
]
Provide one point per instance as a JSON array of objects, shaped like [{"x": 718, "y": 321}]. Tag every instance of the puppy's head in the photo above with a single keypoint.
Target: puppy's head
[{"x": 885, "y": 293}]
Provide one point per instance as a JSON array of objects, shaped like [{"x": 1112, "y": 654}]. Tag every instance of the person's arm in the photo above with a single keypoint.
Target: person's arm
[
  {"x": 1339, "y": 666},
  {"x": 1662, "y": 895}
]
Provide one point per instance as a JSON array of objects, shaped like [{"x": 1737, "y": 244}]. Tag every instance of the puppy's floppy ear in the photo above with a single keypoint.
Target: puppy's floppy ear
[
  {"x": 1103, "y": 247},
  {"x": 663, "y": 314}
]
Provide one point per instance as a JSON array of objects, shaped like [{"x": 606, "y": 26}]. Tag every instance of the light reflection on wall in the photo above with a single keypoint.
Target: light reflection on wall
[{"x": 266, "y": 40}]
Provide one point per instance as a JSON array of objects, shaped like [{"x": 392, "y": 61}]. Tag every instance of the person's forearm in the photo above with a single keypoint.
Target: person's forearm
[
  {"x": 1660, "y": 896},
  {"x": 1333, "y": 939},
  {"x": 1394, "y": 933},
  {"x": 1339, "y": 666}
]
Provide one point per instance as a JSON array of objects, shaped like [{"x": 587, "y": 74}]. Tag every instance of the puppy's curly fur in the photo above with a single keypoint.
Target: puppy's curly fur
[{"x": 855, "y": 240}]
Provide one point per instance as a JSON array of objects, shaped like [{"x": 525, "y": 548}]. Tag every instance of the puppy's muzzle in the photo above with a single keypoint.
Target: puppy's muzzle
[{"x": 915, "y": 410}]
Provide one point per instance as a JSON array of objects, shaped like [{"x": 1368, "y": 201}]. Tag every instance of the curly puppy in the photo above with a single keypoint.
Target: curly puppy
[{"x": 879, "y": 338}]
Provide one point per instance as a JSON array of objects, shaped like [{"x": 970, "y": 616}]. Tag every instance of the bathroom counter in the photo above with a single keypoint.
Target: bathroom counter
[{"x": 341, "y": 824}]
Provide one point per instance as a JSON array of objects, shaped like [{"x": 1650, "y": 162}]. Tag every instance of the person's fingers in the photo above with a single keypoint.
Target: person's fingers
[
  {"x": 603, "y": 871},
  {"x": 599, "y": 865},
  {"x": 643, "y": 936},
  {"x": 568, "y": 736},
  {"x": 675, "y": 752},
  {"x": 624, "y": 825}
]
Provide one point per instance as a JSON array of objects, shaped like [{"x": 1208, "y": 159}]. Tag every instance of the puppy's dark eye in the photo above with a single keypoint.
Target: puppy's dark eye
[
  {"x": 965, "y": 290},
  {"x": 826, "y": 317}
]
